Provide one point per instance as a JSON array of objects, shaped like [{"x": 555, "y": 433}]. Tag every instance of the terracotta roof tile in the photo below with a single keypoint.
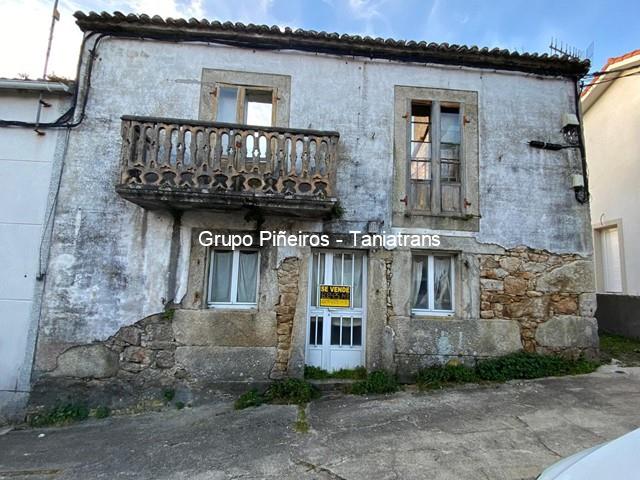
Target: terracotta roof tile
[{"x": 273, "y": 37}]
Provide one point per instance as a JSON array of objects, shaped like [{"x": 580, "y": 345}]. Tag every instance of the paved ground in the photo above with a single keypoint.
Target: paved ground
[{"x": 510, "y": 431}]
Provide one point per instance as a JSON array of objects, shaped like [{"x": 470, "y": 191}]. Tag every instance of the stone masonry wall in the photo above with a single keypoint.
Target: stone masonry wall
[
  {"x": 288, "y": 276},
  {"x": 550, "y": 296}
]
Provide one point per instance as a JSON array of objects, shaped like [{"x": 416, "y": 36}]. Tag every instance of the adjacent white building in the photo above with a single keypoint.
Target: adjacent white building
[
  {"x": 29, "y": 171},
  {"x": 611, "y": 109}
]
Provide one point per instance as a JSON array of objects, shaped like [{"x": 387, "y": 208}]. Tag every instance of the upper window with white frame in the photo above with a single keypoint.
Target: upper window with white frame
[
  {"x": 432, "y": 284},
  {"x": 233, "y": 278}
]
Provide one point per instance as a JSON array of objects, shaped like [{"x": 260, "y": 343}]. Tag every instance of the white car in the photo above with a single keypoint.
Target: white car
[{"x": 618, "y": 459}]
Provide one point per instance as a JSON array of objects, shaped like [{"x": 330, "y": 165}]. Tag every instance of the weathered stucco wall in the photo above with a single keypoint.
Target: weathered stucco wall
[{"x": 110, "y": 259}]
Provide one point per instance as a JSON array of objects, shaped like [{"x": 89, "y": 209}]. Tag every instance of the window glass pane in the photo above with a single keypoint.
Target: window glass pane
[
  {"x": 442, "y": 283},
  {"x": 357, "y": 331},
  {"x": 420, "y": 272},
  {"x": 314, "y": 281},
  {"x": 258, "y": 108},
  {"x": 450, "y": 171},
  {"x": 420, "y": 170},
  {"x": 247, "y": 276},
  {"x": 346, "y": 331},
  {"x": 420, "y": 151},
  {"x": 348, "y": 272},
  {"x": 335, "y": 330},
  {"x": 227, "y": 97},
  {"x": 449, "y": 125},
  {"x": 220, "y": 288}
]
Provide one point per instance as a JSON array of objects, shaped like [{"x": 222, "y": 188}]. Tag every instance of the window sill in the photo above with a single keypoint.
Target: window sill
[
  {"x": 426, "y": 213},
  {"x": 232, "y": 306},
  {"x": 431, "y": 314}
]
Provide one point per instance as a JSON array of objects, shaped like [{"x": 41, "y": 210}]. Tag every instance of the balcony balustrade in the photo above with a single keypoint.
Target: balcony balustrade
[{"x": 184, "y": 164}]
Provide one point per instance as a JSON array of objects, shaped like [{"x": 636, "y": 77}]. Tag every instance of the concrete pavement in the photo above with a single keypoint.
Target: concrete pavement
[{"x": 508, "y": 431}]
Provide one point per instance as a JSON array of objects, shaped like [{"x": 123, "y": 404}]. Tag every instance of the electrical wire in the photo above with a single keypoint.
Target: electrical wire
[{"x": 609, "y": 80}]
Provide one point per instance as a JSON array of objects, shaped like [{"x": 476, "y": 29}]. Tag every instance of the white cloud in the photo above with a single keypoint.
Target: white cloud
[{"x": 24, "y": 32}]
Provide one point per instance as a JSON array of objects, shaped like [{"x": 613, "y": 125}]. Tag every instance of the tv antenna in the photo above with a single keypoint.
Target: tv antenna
[{"x": 564, "y": 49}]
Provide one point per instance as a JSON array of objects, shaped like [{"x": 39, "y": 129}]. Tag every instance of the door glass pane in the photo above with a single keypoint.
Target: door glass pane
[
  {"x": 357, "y": 331},
  {"x": 227, "y": 104},
  {"x": 258, "y": 108},
  {"x": 611, "y": 269},
  {"x": 335, "y": 330},
  {"x": 247, "y": 276},
  {"x": 346, "y": 331},
  {"x": 337, "y": 269},
  {"x": 319, "y": 332},
  {"x": 312, "y": 331},
  {"x": 220, "y": 288},
  {"x": 442, "y": 283},
  {"x": 357, "y": 282},
  {"x": 420, "y": 272},
  {"x": 347, "y": 277}
]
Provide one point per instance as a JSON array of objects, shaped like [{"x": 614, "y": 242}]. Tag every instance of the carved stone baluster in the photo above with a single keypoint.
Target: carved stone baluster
[
  {"x": 305, "y": 172},
  {"x": 269, "y": 167},
  {"x": 140, "y": 146},
  {"x": 180, "y": 148},
  {"x": 293, "y": 156},
  {"x": 155, "y": 138},
  {"x": 241, "y": 150}
]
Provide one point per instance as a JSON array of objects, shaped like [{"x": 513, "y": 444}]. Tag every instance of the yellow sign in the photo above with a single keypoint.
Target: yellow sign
[{"x": 335, "y": 296}]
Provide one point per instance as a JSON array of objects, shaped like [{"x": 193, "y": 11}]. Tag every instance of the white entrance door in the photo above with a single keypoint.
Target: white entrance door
[{"x": 335, "y": 335}]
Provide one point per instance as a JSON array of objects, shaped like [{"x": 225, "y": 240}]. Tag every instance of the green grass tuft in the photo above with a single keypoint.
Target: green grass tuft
[
  {"x": 252, "y": 398},
  {"x": 169, "y": 394},
  {"x": 376, "y": 382},
  {"x": 60, "y": 415},
  {"x": 102, "y": 412},
  {"x": 519, "y": 365},
  {"x": 625, "y": 350},
  {"x": 317, "y": 373},
  {"x": 291, "y": 391}
]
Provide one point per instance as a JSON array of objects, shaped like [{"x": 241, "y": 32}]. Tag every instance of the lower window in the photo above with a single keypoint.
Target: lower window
[
  {"x": 432, "y": 279},
  {"x": 233, "y": 278}
]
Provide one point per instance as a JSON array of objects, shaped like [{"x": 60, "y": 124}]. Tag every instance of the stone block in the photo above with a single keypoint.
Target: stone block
[
  {"x": 510, "y": 264},
  {"x": 165, "y": 359},
  {"x": 574, "y": 277},
  {"x": 515, "y": 286},
  {"x": 226, "y": 363},
  {"x": 136, "y": 355},
  {"x": 488, "y": 337},
  {"x": 568, "y": 331},
  {"x": 587, "y": 304},
  {"x": 87, "y": 361},
  {"x": 225, "y": 328},
  {"x": 489, "y": 284},
  {"x": 130, "y": 335},
  {"x": 565, "y": 306}
]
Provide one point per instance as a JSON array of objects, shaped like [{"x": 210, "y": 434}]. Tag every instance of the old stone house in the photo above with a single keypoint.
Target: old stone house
[{"x": 193, "y": 127}]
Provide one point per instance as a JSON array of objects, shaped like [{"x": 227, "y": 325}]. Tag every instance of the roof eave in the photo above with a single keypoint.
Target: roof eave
[{"x": 263, "y": 37}]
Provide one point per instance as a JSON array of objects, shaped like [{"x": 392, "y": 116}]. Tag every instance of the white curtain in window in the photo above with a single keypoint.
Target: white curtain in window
[
  {"x": 420, "y": 296},
  {"x": 442, "y": 280},
  {"x": 220, "y": 288},
  {"x": 247, "y": 277}
]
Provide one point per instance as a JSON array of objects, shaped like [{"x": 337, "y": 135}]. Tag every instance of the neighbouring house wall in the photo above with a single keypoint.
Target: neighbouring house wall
[
  {"x": 110, "y": 262},
  {"x": 611, "y": 127},
  {"x": 29, "y": 163}
]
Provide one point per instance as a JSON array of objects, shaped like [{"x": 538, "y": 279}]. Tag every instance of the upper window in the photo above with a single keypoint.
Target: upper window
[
  {"x": 432, "y": 284},
  {"x": 233, "y": 278},
  {"x": 245, "y": 105},
  {"x": 434, "y": 157}
]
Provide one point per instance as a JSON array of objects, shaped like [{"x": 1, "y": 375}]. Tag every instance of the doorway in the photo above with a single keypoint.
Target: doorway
[{"x": 336, "y": 323}]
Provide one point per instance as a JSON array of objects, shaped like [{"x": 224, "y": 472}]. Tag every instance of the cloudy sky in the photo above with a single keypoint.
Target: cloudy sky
[{"x": 520, "y": 25}]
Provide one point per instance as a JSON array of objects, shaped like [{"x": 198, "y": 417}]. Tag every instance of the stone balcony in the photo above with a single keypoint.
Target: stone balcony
[{"x": 184, "y": 164}]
